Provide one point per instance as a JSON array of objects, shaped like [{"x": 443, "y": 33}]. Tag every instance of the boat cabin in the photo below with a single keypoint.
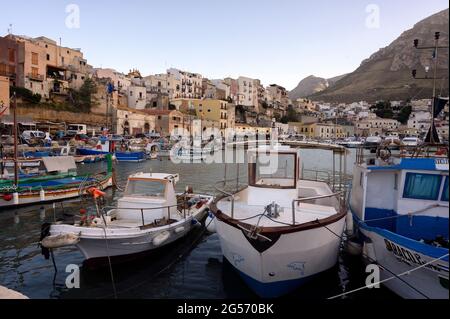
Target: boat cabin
[
  {"x": 413, "y": 188},
  {"x": 153, "y": 193},
  {"x": 275, "y": 174}
]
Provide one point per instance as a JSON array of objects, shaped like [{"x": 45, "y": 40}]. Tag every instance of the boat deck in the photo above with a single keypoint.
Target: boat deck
[{"x": 250, "y": 214}]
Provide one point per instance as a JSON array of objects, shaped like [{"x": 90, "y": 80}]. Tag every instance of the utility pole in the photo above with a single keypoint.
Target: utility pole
[{"x": 436, "y": 48}]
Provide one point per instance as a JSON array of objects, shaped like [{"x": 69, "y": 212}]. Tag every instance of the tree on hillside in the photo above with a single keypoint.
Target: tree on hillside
[
  {"x": 291, "y": 115},
  {"x": 383, "y": 109},
  {"x": 83, "y": 99},
  {"x": 403, "y": 115}
]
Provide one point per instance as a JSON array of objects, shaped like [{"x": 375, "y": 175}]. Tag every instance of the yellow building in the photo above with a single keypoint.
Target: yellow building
[
  {"x": 321, "y": 130},
  {"x": 4, "y": 96},
  {"x": 250, "y": 129},
  {"x": 209, "y": 109}
]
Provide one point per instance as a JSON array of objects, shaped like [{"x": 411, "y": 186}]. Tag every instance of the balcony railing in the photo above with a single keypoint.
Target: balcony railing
[
  {"x": 36, "y": 77},
  {"x": 7, "y": 74}
]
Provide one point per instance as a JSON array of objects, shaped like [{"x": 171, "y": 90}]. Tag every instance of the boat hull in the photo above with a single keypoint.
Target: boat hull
[
  {"x": 34, "y": 197},
  {"x": 130, "y": 156},
  {"x": 87, "y": 151},
  {"x": 127, "y": 242},
  {"x": 398, "y": 255},
  {"x": 286, "y": 264}
]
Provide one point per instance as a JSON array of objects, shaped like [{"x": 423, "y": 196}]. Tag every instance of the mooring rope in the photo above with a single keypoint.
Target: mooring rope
[
  {"x": 179, "y": 257},
  {"x": 408, "y": 272},
  {"x": 374, "y": 261}
]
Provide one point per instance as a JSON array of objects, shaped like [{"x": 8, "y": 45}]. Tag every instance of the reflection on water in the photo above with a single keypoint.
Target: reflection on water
[{"x": 184, "y": 270}]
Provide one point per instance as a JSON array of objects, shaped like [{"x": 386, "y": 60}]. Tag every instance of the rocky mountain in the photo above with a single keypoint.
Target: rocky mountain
[
  {"x": 312, "y": 84},
  {"x": 387, "y": 73}
]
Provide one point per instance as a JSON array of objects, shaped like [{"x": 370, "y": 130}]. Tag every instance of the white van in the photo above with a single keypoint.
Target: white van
[{"x": 74, "y": 129}]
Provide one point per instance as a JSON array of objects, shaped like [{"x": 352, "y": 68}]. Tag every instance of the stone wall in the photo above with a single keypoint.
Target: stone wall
[{"x": 40, "y": 114}]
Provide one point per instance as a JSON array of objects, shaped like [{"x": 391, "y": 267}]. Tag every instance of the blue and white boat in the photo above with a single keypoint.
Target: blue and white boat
[
  {"x": 400, "y": 217},
  {"x": 105, "y": 146}
]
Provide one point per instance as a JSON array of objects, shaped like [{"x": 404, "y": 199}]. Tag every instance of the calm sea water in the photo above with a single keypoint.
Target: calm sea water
[{"x": 193, "y": 268}]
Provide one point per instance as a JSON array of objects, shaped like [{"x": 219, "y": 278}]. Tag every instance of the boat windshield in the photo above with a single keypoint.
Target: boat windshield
[
  {"x": 142, "y": 187},
  {"x": 273, "y": 170}
]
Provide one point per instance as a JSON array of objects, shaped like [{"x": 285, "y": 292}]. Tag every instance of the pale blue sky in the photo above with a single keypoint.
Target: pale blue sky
[{"x": 277, "y": 41}]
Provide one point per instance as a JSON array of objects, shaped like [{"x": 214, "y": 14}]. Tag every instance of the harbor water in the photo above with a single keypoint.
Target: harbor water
[{"x": 193, "y": 268}]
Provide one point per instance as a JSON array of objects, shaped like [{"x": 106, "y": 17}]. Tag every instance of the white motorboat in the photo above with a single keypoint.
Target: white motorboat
[
  {"x": 150, "y": 215},
  {"x": 280, "y": 230}
]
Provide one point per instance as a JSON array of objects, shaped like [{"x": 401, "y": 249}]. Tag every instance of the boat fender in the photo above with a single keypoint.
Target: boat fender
[
  {"x": 16, "y": 198},
  {"x": 179, "y": 230},
  {"x": 211, "y": 223},
  {"x": 161, "y": 238},
  {"x": 349, "y": 224},
  {"x": 369, "y": 251},
  {"x": 42, "y": 195},
  {"x": 61, "y": 240}
]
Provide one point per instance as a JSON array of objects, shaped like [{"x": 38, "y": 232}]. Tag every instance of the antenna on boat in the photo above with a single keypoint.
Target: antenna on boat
[{"x": 436, "y": 102}]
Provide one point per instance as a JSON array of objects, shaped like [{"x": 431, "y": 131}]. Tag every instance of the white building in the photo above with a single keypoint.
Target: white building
[
  {"x": 246, "y": 92},
  {"x": 419, "y": 120},
  {"x": 120, "y": 81},
  {"x": 191, "y": 83}
]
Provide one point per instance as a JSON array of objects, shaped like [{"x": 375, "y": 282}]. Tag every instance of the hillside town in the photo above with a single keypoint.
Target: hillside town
[{"x": 48, "y": 76}]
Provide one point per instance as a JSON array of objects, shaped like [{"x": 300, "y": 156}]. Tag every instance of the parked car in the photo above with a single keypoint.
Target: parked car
[
  {"x": 411, "y": 141},
  {"x": 32, "y": 137}
]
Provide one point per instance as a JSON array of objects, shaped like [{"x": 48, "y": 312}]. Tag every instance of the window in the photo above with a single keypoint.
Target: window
[
  {"x": 361, "y": 176},
  {"x": 145, "y": 188},
  {"x": 396, "y": 181},
  {"x": 444, "y": 196},
  {"x": 272, "y": 170},
  {"x": 34, "y": 58},
  {"x": 12, "y": 55},
  {"x": 34, "y": 71},
  {"x": 422, "y": 186},
  {"x": 48, "y": 57}
]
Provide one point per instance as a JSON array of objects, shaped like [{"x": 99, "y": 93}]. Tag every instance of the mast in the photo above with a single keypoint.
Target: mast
[
  {"x": 16, "y": 169},
  {"x": 414, "y": 72}
]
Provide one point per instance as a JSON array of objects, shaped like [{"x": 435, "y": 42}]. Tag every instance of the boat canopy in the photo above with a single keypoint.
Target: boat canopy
[{"x": 59, "y": 163}]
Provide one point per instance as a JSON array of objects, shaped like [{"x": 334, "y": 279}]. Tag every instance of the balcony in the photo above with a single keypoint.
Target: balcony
[
  {"x": 36, "y": 77},
  {"x": 8, "y": 74}
]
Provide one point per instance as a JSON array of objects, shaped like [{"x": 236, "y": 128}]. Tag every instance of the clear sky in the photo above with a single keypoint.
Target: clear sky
[{"x": 277, "y": 41}]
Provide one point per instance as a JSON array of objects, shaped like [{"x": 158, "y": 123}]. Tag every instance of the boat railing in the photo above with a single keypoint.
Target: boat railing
[
  {"x": 142, "y": 210},
  {"x": 228, "y": 194},
  {"x": 404, "y": 151},
  {"x": 340, "y": 196}
]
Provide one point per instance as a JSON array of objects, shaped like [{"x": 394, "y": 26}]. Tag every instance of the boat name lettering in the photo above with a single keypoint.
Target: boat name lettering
[{"x": 408, "y": 256}]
